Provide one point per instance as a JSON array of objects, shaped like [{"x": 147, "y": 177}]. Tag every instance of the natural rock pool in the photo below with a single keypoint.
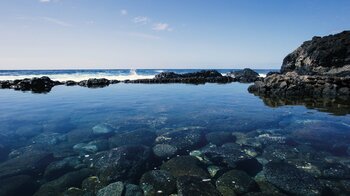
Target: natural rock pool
[{"x": 162, "y": 139}]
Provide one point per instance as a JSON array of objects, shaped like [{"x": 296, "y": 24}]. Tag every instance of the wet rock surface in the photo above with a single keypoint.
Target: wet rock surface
[
  {"x": 191, "y": 185},
  {"x": 122, "y": 163},
  {"x": 292, "y": 180},
  {"x": 185, "y": 166},
  {"x": 158, "y": 182},
  {"x": 236, "y": 182}
]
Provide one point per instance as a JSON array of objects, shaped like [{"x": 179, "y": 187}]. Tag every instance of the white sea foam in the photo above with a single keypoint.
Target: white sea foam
[{"x": 80, "y": 77}]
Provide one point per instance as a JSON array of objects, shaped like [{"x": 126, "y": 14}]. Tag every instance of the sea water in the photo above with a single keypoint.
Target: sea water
[{"x": 81, "y": 124}]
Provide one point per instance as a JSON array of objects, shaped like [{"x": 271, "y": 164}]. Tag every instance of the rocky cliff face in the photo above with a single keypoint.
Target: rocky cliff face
[
  {"x": 319, "y": 68},
  {"x": 329, "y": 55}
]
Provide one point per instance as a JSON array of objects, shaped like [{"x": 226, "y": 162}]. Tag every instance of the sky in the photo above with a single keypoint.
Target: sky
[{"x": 116, "y": 34}]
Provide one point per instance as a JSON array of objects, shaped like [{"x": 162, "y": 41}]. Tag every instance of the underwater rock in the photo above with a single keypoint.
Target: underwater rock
[
  {"x": 48, "y": 138},
  {"x": 164, "y": 150},
  {"x": 158, "y": 182},
  {"x": 292, "y": 180},
  {"x": 231, "y": 155},
  {"x": 103, "y": 128},
  {"x": 125, "y": 163},
  {"x": 56, "y": 169},
  {"x": 336, "y": 171},
  {"x": 280, "y": 152},
  {"x": 183, "y": 140},
  {"x": 185, "y": 166},
  {"x": 91, "y": 147},
  {"x": 191, "y": 185},
  {"x": 91, "y": 185},
  {"x": 22, "y": 185},
  {"x": 113, "y": 189},
  {"x": 31, "y": 162},
  {"x": 59, "y": 185},
  {"x": 29, "y": 131},
  {"x": 73, "y": 191},
  {"x": 235, "y": 182},
  {"x": 132, "y": 190},
  {"x": 137, "y": 137},
  {"x": 219, "y": 138}
]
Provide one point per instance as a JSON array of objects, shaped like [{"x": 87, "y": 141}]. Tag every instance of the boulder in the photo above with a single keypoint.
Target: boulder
[
  {"x": 125, "y": 163},
  {"x": 235, "y": 182},
  {"x": 292, "y": 180},
  {"x": 191, "y": 185},
  {"x": 185, "y": 166},
  {"x": 158, "y": 181}
]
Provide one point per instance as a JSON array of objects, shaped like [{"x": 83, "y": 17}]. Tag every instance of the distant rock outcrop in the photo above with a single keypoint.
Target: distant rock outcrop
[
  {"x": 245, "y": 76},
  {"x": 319, "y": 68},
  {"x": 199, "y": 77}
]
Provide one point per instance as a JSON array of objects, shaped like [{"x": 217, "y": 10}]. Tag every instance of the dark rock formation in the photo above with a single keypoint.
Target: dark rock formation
[
  {"x": 94, "y": 83},
  {"x": 36, "y": 85},
  {"x": 294, "y": 85},
  {"x": 329, "y": 55},
  {"x": 319, "y": 68},
  {"x": 245, "y": 76},
  {"x": 201, "y": 77},
  {"x": 185, "y": 166}
]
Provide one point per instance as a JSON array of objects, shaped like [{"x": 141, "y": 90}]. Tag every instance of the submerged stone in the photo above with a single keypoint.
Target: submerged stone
[
  {"x": 191, "y": 185},
  {"x": 103, "y": 128},
  {"x": 182, "y": 140},
  {"x": 235, "y": 182},
  {"x": 58, "y": 168},
  {"x": 138, "y": 137},
  {"x": 114, "y": 189},
  {"x": 164, "y": 150},
  {"x": 219, "y": 138},
  {"x": 291, "y": 180},
  {"x": 31, "y": 162},
  {"x": 158, "y": 181},
  {"x": 91, "y": 185},
  {"x": 133, "y": 190},
  {"x": 185, "y": 166},
  {"x": 122, "y": 163},
  {"x": 22, "y": 185},
  {"x": 60, "y": 185}
]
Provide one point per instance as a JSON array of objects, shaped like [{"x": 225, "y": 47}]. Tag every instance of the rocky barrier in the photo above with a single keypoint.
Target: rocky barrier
[
  {"x": 44, "y": 84},
  {"x": 319, "y": 68}
]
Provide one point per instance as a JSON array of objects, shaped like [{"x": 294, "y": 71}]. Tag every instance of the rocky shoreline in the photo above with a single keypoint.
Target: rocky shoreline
[
  {"x": 319, "y": 68},
  {"x": 45, "y": 84}
]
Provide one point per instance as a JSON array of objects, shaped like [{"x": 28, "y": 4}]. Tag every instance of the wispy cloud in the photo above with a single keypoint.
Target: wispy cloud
[
  {"x": 46, "y": 19},
  {"x": 57, "y": 22},
  {"x": 141, "y": 20},
  {"x": 123, "y": 12},
  {"x": 144, "y": 36},
  {"x": 162, "y": 27},
  {"x": 44, "y": 1}
]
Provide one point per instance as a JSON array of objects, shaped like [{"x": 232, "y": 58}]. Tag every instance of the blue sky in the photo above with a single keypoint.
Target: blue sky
[{"x": 69, "y": 34}]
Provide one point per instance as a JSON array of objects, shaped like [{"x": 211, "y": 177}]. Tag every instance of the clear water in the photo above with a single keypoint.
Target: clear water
[{"x": 71, "y": 113}]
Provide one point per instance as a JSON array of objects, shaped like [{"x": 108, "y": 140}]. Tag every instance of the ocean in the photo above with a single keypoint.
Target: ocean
[{"x": 111, "y": 74}]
